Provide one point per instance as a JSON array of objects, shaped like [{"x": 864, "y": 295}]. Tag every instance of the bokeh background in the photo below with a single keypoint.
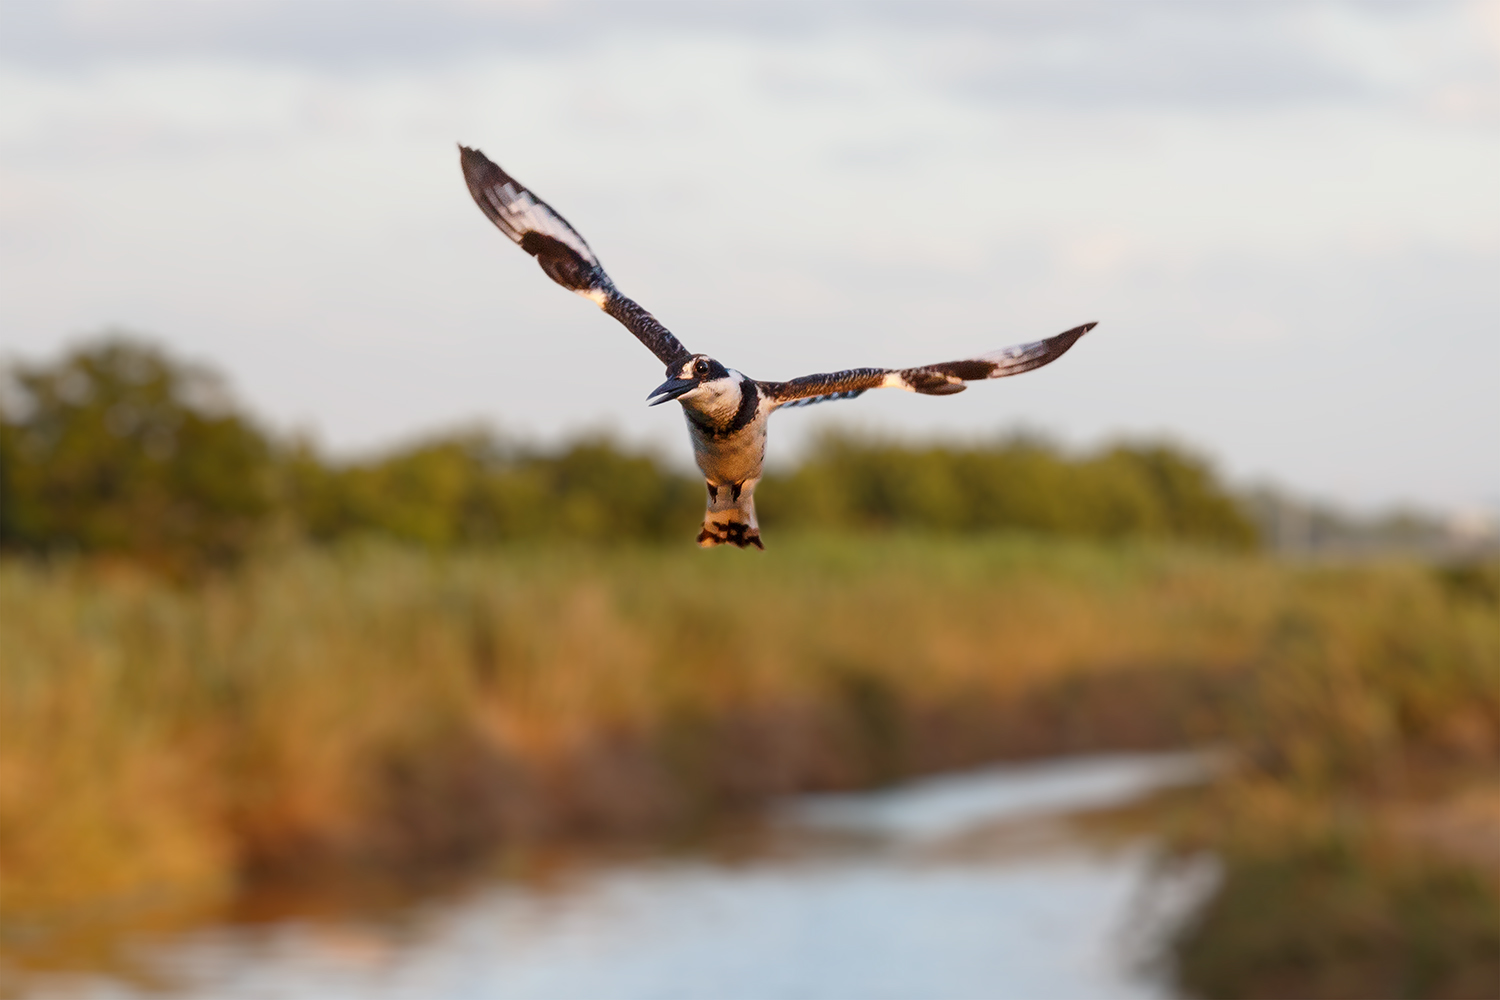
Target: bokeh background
[{"x": 352, "y": 640}]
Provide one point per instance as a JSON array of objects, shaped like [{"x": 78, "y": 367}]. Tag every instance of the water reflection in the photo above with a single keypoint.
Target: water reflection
[
  {"x": 951, "y": 805},
  {"x": 956, "y": 887}
]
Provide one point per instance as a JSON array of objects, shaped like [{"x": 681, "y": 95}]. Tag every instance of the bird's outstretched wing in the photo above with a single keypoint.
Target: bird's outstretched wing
[
  {"x": 534, "y": 226},
  {"x": 942, "y": 379}
]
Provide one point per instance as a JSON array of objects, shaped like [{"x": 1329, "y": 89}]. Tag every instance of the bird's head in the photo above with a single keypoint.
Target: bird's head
[{"x": 699, "y": 382}]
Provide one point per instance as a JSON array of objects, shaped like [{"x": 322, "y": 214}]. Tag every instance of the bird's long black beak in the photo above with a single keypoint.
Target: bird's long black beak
[{"x": 670, "y": 390}]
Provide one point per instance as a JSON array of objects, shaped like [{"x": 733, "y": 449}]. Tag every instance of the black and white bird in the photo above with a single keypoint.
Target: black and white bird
[{"x": 726, "y": 411}]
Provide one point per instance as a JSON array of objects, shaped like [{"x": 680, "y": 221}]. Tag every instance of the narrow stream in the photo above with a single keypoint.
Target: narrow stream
[{"x": 963, "y": 886}]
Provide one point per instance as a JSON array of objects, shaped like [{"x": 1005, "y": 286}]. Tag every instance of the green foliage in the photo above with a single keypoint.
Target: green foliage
[
  {"x": 118, "y": 449},
  {"x": 1371, "y": 671},
  {"x": 473, "y": 488},
  {"x": 1476, "y": 580},
  {"x": 476, "y": 488},
  {"x": 1339, "y": 917},
  {"x": 1353, "y": 833},
  {"x": 1154, "y": 491}
]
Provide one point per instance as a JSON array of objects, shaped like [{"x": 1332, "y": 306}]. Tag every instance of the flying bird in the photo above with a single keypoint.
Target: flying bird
[{"x": 726, "y": 411}]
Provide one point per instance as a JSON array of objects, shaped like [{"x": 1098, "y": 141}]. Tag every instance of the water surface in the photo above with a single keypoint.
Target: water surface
[{"x": 953, "y": 887}]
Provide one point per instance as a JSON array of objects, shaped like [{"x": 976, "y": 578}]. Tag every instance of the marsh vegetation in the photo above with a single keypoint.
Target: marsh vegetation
[
  {"x": 378, "y": 707},
  {"x": 233, "y": 663}
]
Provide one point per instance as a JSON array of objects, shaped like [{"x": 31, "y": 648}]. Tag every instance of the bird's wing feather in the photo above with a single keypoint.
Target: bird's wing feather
[
  {"x": 566, "y": 257},
  {"x": 826, "y": 387},
  {"x": 941, "y": 379}
]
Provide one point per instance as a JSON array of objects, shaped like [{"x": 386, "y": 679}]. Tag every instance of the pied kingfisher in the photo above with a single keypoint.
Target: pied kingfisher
[{"x": 726, "y": 411}]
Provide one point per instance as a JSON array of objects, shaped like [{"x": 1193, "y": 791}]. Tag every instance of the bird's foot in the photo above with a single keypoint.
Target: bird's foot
[{"x": 737, "y": 533}]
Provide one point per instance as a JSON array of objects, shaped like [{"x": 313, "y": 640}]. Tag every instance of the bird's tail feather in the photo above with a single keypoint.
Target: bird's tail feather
[{"x": 730, "y": 519}]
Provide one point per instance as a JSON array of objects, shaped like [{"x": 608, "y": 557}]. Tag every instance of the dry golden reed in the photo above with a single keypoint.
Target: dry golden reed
[{"x": 370, "y": 705}]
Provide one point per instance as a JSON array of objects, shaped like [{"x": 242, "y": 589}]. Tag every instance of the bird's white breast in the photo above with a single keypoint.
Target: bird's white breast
[{"x": 734, "y": 456}]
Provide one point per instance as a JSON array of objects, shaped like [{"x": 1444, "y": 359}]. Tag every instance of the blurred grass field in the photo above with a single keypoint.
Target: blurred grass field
[
  {"x": 374, "y": 702},
  {"x": 373, "y": 707}
]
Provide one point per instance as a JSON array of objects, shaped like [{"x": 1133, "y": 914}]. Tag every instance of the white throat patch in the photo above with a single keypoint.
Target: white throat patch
[{"x": 719, "y": 399}]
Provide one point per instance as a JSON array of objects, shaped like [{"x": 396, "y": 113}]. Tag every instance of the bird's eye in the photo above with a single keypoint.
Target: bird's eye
[{"x": 701, "y": 368}]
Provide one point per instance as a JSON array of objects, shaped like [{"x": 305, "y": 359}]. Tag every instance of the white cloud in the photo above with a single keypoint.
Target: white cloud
[{"x": 1300, "y": 279}]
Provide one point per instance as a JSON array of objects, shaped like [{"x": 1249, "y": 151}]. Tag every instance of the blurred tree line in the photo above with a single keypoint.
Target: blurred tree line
[{"x": 120, "y": 449}]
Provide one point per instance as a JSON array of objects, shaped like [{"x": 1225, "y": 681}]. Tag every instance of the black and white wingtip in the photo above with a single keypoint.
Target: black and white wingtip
[
  {"x": 942, "y": 379},
  {"x": 949, "y": 376},
  {"x": 541, "y": 231},
  {"x": 534, "y": 226}
]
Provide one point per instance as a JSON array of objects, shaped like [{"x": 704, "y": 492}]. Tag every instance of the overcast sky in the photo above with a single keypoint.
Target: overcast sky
[{"x": 1285, "y": 217}]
